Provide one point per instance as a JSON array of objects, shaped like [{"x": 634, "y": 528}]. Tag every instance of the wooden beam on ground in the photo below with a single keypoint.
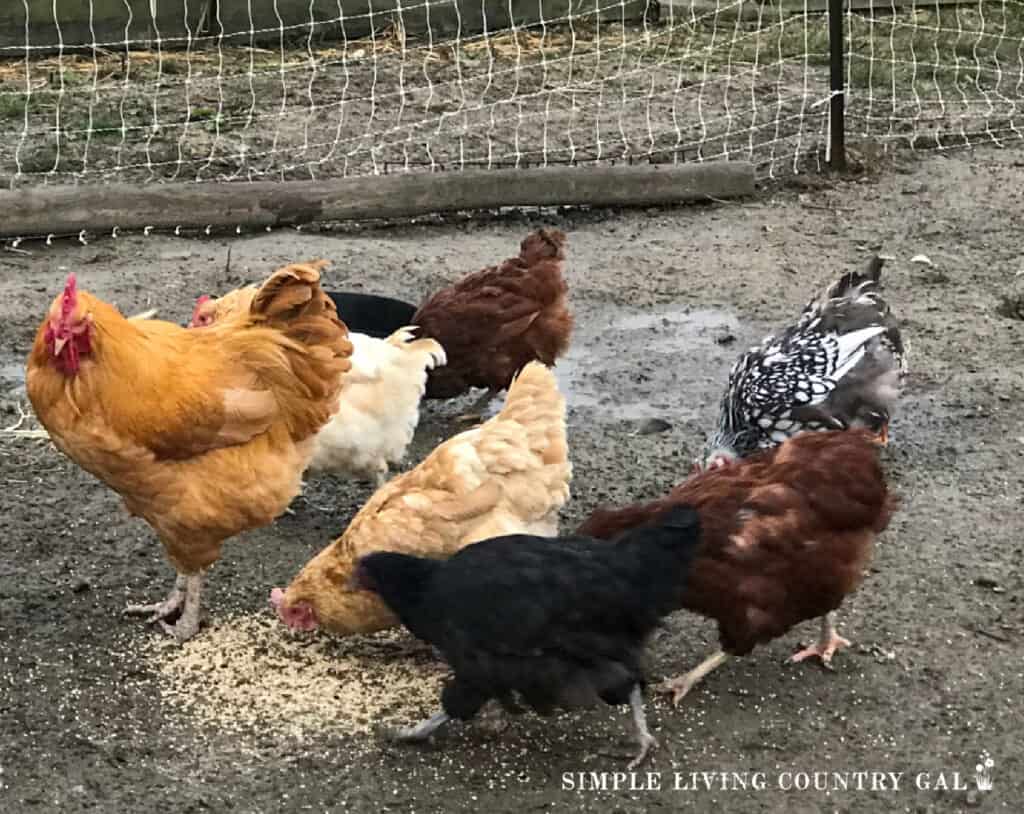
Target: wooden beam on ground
[{"x": 66, "y": 210}]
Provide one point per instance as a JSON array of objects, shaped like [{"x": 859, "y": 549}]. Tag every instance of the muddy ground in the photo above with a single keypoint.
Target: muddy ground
[{"x": 936, "y": 675}]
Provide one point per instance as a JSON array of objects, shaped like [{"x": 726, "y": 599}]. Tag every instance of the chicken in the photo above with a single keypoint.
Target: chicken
[
  {"x": 510, "y": 475},
  {"x": 492, "y": 322},
  {"x": 379, "y": 408},
  {"x": 557, "y": 623},
  {"x": 841, "y": 365},
  {"x": 372, "y": 314},
  {"x": 785, "y": 536},
  {"x": 204, "y": 434}
]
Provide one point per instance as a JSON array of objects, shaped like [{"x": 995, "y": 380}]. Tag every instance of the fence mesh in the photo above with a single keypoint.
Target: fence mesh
[{"x": 105, "y": 90}]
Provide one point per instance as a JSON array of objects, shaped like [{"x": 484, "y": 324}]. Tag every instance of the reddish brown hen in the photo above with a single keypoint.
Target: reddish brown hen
[
  {"x": 785, "y": 536},
  {"x": 493, "y": 322}
]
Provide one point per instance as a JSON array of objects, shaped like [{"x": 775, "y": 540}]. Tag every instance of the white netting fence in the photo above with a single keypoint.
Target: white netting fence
[
  {"x": 938, "y": 76},
  {"x": 146, "y": 90}
]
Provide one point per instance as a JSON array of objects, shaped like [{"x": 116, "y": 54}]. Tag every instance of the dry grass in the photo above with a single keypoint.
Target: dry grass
[
  {"x": 557, "y": 93},
  {"x": 249, "y": 673}
]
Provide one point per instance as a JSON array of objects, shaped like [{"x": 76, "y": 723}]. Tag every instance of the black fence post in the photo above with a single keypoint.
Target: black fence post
[{"x": 837, "y": 84}]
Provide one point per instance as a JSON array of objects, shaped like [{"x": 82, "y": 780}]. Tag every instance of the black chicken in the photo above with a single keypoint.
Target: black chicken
[{"x": 548, "y": 623}]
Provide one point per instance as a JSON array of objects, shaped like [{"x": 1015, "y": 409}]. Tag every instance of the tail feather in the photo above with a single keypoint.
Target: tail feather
[
  {"x": 854, "y": 282},
  {"x": 543, "y": 244},
  {"x": 318, "y": 348},
  {"x": 535, "y": 404},
  {"x": 874, "y": 269},
  {"x": 292, "y": 291},
  {"x": 404, "y": 338}
]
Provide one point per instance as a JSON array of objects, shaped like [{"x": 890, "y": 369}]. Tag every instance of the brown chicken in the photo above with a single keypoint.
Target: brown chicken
[
  {"x": 205, "y": 434},
  {"x": 785, "y": 536},
  {"x": 493, "y": 322},
  {"x": 510, "y": 475}
]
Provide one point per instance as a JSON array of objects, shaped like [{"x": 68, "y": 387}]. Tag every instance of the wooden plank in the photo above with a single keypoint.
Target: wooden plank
[{"x": 68, "y": 210}]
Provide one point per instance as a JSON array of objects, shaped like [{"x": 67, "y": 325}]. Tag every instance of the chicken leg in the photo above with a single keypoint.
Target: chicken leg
[
  {"x": 678, "y": 687},
  {"x": 826, "y": 646},
  {"x": 185, "y": 597},
  {"x": 646, "y": 740}
]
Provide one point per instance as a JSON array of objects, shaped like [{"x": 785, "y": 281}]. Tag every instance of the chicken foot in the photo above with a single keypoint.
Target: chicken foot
[
  {"x": 828, "y": 643},
  {"x": 420, "y": 731},
  {"x": 678, "y": 687},
  {"x": 185, "y": 597},
  {"x": 493, "y": 718},
  {"x": 161, "y": 610},
  {"x": 646, "y": 740}
]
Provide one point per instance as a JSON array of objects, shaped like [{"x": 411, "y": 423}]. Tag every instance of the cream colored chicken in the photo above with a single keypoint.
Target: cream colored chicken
[
  {"x": 510, "y": 475},
  {"x": 379, "y": 408}
]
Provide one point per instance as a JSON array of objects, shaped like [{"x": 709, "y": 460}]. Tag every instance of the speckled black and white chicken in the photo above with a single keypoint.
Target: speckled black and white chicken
[{"x": 841, "y": 365}]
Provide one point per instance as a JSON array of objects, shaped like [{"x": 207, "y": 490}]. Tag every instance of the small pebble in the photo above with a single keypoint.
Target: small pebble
[{"x": 650, "y": 426}]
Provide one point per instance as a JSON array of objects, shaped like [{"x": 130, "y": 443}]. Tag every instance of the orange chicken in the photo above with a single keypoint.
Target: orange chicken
[
  {"x": 204, "y": 434},
  {"x": 510, "y": 475}
]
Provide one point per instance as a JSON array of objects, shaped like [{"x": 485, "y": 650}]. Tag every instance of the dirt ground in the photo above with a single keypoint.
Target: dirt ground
[{"x": 93, "y": 717}]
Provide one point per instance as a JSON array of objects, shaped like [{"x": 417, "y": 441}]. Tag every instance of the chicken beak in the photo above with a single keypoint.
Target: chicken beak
[{"x": 58, "y": 346}]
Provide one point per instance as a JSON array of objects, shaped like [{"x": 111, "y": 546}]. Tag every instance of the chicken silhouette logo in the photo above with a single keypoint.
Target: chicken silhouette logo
[{"x": 983, "y": 772}]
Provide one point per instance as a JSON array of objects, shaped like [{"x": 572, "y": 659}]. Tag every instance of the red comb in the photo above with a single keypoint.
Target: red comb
[{"x": 70, "y": 297}]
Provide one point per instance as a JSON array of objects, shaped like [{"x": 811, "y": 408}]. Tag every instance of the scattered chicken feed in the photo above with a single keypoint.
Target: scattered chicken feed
[{"x": 248, "y": 673}]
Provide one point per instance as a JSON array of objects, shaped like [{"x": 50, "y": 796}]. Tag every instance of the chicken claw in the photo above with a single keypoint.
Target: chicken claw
[
  {"x": 678, "y": 687},
  {"x": 647, "y": 745},
  {"x": 185, "y": 597},
  {"x": 421, "y": 731},
  {"x": 826, "y": 646},
  {"x": 161, "y": 610},
  {"x": 493, "y": 719}
]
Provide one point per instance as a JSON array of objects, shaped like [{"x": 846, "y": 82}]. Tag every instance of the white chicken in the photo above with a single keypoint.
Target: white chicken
[{"x": 380, "y": 405}]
